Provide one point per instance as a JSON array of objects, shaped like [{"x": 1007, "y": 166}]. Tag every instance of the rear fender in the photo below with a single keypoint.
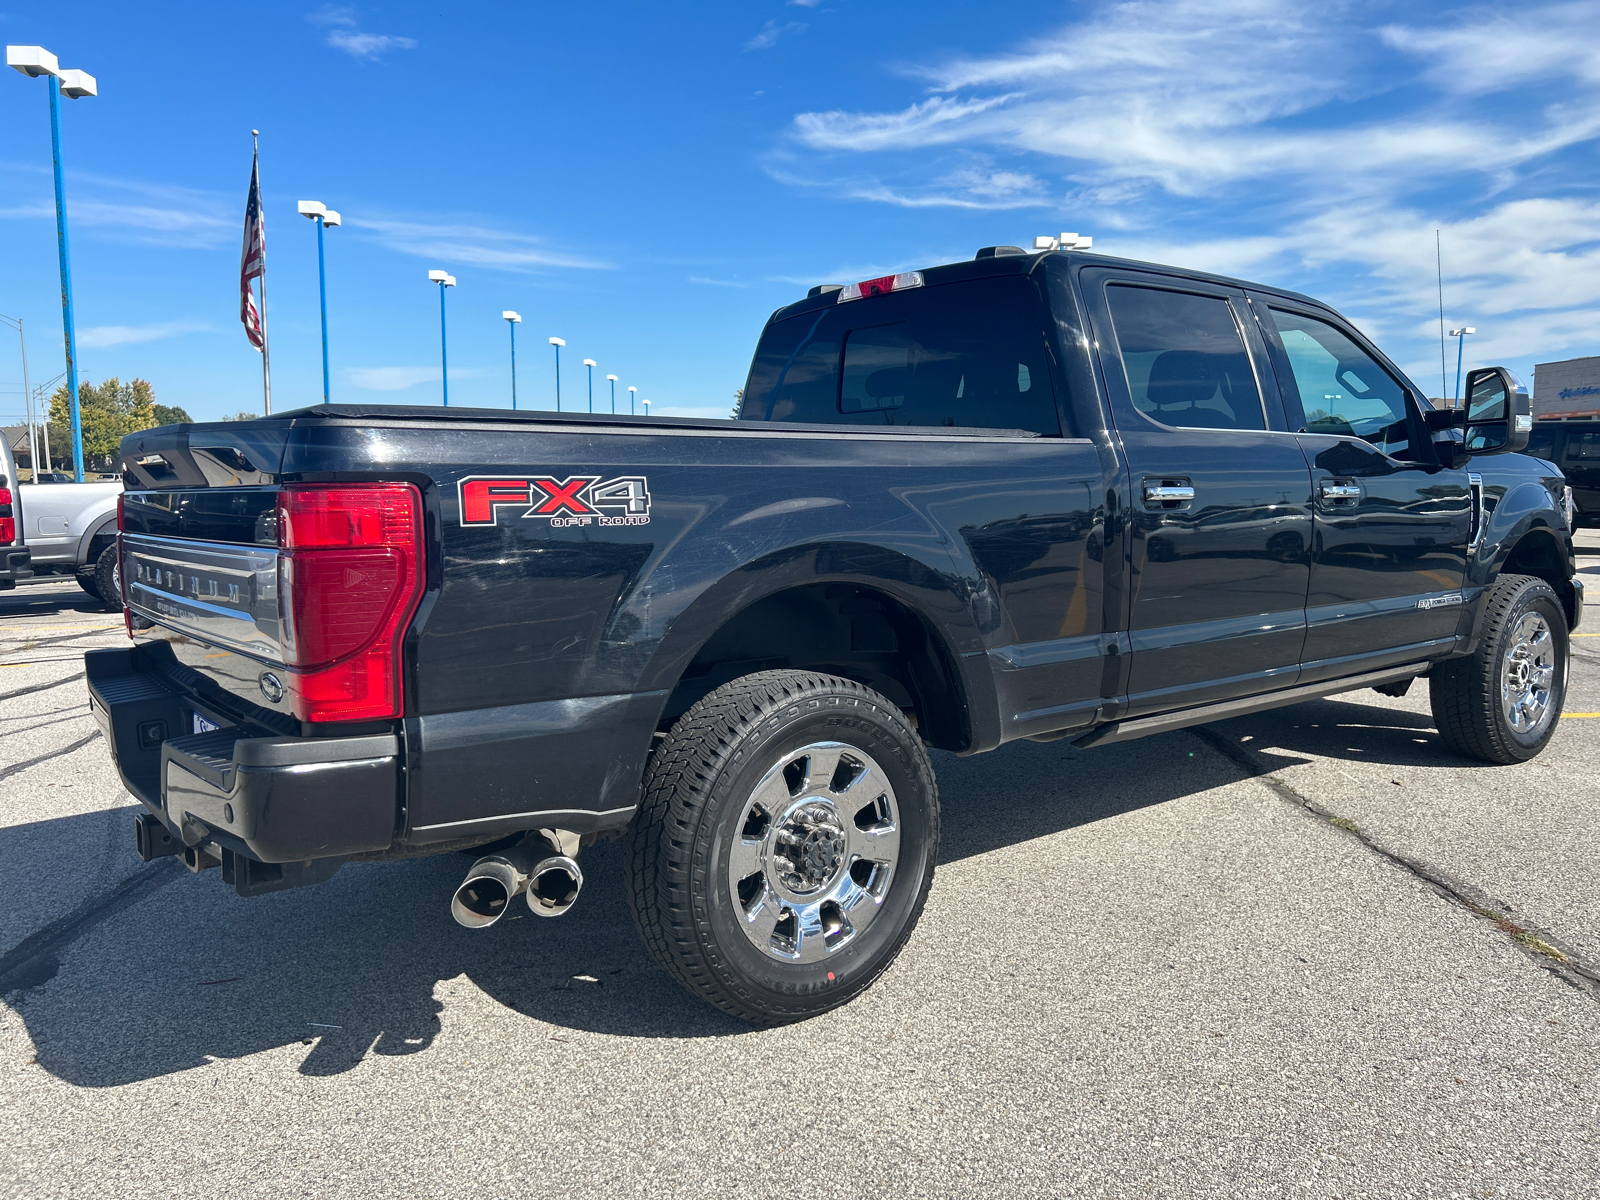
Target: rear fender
[{"x": 934, "y": 595}]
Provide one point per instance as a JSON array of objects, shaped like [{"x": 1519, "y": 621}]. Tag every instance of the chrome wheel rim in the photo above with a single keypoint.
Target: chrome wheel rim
[
  {"x": 813, "y": 852},
  {"x": 1527, "y": 676}
]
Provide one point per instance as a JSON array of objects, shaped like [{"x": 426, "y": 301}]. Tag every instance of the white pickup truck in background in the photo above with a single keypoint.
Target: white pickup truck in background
[{"x": 72, "y": 528}]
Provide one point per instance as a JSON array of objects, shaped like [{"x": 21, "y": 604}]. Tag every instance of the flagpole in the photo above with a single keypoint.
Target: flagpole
[{"x": 266, "y": 357}]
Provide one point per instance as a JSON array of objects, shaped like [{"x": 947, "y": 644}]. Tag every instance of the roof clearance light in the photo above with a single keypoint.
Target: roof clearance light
[{"x": 877, "y": 287}]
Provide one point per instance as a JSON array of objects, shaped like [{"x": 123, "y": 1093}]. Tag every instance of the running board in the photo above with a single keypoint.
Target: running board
[{"x": 1122, "y": 731}]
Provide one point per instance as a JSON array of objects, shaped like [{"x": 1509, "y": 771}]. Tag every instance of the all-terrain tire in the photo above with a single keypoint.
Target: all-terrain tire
[
  {"x": 108, "y": 577},
  {"x": 696, "y": 812},
  {"x": 87, "y": 582},
  {"x": 1470, "y": 696}
]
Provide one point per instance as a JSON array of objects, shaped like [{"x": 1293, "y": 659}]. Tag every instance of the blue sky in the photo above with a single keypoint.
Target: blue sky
[{"x": 650, "y": 181}]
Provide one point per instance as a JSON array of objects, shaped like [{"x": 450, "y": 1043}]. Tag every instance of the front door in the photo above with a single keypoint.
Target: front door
[
  {"x": 1219, "y": 494},
  {"x": 1392, "y": 522}
]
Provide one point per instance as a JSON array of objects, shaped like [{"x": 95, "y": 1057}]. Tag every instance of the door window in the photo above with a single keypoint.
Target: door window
[
  {"x": 1185, "y": 359},
  {"x": 1341, "y": 388},
  {"x": 959, "y": 354}
]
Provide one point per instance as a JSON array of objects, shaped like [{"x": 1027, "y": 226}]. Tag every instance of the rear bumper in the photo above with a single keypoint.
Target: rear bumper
[
  {"x": 15, "y": 564},
  {"x": 269, "y": 799}
]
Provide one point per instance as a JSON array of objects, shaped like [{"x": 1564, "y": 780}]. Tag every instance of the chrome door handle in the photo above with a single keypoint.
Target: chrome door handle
[
  {"x": 1340, "y": 491},
  {"x": 1155, "y": 493}
]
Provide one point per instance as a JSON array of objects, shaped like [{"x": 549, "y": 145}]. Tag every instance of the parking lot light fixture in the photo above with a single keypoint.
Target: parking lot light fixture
[
  {"x": 445, "y": 280},
  {"x": 34, "y": 61},
  {"x": 613, "y": 380},
  {"x": 512, "y": 320},
  {"x": 325, "y": 217},
  {"x": 632, "y": 392},
  {"x": 1461, "y": 336},
  {"x": 558, "y": 343},
  {"x": 646, "y": 404},
  {"x": 591, "y": 364}
]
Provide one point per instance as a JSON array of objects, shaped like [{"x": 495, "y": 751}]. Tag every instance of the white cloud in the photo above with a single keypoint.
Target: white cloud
[
  {"x": 398, "y": 379},
  {"x": 733, "y": 283},
  {"x": 1192, "y": 96},
  {"x": 1313, "y": 144},
  {"x": 131, "y": 210},
  {"x": 771, "y": 32},
  {"x": 343, "y": 33},
  {"x": 1494, "y": 49},
  {"x": 479, "y": 245},
  {"x": 100, "y": 337}
]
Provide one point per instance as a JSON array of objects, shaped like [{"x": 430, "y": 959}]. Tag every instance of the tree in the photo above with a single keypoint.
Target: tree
[
  {"x": 108, "y": 413},
  {"x": 242, "y": 416},
  {"x": 171, "y": 414}
]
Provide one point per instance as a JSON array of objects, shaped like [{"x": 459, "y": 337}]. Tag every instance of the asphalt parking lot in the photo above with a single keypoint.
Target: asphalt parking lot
[{"x": 1303, "y": 953}]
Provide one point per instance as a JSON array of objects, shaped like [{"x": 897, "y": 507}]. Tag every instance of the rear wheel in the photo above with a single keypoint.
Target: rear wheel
[
  {"x": 785, "y": 844},
  {"x": 108, "y": 577},
  {"x": 1502, "y": 703},
  {"x": 87, "y": 582}
]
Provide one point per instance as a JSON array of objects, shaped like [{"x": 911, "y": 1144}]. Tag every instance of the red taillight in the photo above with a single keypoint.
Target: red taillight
[
  {"x": 8, "y": 520},
  {"x": 877, "y": 287},
  {"x": 350, "y": 574}
]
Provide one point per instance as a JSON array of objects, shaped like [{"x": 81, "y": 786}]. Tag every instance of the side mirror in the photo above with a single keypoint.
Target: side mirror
[{"x": 1499, "y": 412}]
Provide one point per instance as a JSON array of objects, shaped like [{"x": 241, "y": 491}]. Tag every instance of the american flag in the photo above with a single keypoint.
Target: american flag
[{"x": 253, "y": 259}]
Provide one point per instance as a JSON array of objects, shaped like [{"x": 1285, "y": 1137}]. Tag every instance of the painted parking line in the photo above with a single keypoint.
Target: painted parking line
[{"x": 1570, "y": 716}]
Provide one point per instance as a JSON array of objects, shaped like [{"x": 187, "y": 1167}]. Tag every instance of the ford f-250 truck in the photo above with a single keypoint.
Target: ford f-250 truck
[{"x": 1034, "y": 495}]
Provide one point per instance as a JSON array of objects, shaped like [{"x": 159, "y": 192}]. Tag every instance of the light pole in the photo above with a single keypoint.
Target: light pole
[
  {"x": 27, "y": 397},
  {"x": 558, "y": 343},
  {"x": 632, "y": 392},
  {"x": 34, "y": 61},
  {"x": 325, "y": 218},
  {"x": 613, "y": 380},
  {"x": 445, "y": 280},
  {"x": 512, "y": 320},
  {"x": 646, "y": 404},
  {"x": 1461, "y": 341},
  {"x": 591, "y": 364}
]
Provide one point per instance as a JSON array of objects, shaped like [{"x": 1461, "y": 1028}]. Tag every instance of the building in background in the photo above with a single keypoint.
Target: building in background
[
  {"x": 1567, "y": 390},
  {"x": 1566, "y": 401}
]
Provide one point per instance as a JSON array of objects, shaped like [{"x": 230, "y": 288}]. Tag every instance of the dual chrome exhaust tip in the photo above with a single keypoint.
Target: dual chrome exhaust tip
[{"x": 535, "y": 869}]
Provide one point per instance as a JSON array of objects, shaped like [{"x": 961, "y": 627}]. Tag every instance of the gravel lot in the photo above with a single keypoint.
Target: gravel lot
[{"x": 1304, "y": 953}]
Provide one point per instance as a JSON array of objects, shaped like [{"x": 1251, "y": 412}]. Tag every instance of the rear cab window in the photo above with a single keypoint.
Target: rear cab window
[
  {"x": 969, "y": 354},
  {"x": 1185, "y": 358}
]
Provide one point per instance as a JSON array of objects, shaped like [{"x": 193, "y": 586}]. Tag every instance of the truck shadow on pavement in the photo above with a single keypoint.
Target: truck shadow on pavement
[
  {"x": 364, "y": 963},
  {"x": 40, "y": 600}
]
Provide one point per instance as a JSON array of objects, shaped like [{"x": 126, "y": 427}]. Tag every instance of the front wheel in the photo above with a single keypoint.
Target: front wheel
[
  {"x": 784, "y": 845},
  {"x": 1501, "y": 704}
]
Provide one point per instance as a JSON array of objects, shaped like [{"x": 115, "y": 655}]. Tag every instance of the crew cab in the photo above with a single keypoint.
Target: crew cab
[{"x": 1051, "y": 495}]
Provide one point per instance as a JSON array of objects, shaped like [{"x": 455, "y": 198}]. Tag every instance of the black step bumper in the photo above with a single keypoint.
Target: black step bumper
[
  {"x": 15, "y": 564},
  {"x": 268, "y": 799}
]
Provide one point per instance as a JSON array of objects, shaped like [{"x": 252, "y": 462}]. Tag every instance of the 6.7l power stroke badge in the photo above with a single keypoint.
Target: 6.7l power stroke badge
[{"x": 575, "y": 500}]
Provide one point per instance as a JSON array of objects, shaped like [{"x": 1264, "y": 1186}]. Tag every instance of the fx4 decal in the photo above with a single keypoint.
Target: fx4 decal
[{"x": 575, "y": 500}]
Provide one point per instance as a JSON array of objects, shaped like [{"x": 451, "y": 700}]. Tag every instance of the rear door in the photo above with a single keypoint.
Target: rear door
[
  {"x": 1392, "y": 523},
  {"x": 1220, "y": 516}
]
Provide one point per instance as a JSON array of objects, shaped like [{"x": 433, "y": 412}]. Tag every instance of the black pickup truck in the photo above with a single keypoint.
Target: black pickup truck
[{"x": 1034, "y": 495}]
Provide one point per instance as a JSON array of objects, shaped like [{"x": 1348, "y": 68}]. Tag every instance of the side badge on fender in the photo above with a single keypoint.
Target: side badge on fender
[{"x": 575, "y": 500}]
